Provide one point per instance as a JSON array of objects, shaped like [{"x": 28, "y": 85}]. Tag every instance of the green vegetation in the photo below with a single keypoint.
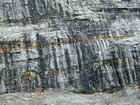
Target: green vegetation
[
  {"x": 42, "y": 90},
  {"x": 54, "y": 25},
  {"x": 85, "y": 91}
]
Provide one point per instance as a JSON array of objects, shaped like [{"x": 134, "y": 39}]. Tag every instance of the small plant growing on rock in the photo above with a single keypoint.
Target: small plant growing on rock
[
  {"x": 55, "y": 25},
  {"x": 42, "y": 90},
  {"x": 93, "y": 91},
  {"x": 85, "y": 91}
]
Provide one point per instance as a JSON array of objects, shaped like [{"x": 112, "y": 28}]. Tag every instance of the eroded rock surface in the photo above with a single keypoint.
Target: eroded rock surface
[
  {"x": 127, "y": 96},
  {"x": 69, "y": 44}
]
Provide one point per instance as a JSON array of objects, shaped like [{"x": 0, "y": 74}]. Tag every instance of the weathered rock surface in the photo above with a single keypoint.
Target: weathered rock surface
[
  {"x": 127, "y": 96},
  {"x": 71, "y": 44}
]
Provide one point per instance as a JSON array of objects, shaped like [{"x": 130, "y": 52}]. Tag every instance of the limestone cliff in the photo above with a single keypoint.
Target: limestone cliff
[{"x": 69, "y": 44}]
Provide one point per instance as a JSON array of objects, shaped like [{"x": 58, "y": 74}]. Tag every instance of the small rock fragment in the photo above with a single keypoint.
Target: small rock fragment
[{"x": 25, "y": 99}]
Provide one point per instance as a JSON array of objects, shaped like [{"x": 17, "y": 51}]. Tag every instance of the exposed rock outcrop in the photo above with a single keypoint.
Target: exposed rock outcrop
[{"x": 71, "y": 44}]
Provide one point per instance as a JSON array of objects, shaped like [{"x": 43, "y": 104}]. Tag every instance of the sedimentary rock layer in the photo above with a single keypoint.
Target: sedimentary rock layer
[{"x": 69, "y": 44}]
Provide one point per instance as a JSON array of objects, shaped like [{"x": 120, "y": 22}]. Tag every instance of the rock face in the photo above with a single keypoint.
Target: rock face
[{"x": 73, "y": 44}]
